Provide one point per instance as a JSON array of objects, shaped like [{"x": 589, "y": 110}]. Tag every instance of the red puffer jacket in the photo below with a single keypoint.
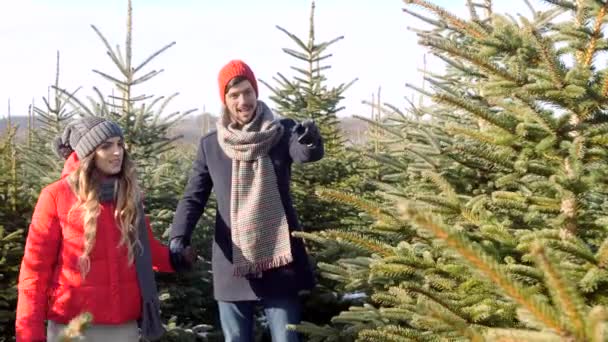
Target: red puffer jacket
[{"x": 50, "y": 285}]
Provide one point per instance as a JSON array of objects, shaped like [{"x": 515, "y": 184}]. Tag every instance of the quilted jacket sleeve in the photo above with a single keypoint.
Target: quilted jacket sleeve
[
  {"x": 160, "y": 252},
  {"x": 39, "y": 259}
]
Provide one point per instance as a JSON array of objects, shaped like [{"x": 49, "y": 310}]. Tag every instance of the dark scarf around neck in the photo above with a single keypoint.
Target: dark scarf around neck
[{"x": 149, "y": 323}]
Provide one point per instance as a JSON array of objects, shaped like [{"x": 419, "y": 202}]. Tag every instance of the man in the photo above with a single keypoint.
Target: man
[{"x": 247, "y": 161}]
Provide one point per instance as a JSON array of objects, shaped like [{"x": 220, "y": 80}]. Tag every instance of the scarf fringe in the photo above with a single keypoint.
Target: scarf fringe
[{"x": 263, "y": 265}]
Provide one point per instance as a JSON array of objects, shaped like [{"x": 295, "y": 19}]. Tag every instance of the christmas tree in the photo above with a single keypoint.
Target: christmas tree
[
  {"x": 15, "y": 206},
  {"x": 40, "y": 161},
  {"x": 307, "y": 95},
  {"x": 499, "y": 188}
]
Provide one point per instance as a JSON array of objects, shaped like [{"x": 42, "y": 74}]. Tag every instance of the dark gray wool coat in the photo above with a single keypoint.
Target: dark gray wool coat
[{"x": 212, "y": 169}]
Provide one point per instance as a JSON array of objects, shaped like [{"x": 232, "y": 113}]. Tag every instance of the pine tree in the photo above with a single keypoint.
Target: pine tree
[
  {"x": 14, "y": 208},
  {"x": 304, "y": 96},
  {"x": 307, "y": 96},
  {"x": 25, "y": 167},
  {"x": 502, "y": 188},
  {"x": 41, "y": 163}
]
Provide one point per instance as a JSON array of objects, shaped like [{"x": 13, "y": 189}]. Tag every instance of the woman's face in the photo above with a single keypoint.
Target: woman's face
[{"x": 108, "y": 156}]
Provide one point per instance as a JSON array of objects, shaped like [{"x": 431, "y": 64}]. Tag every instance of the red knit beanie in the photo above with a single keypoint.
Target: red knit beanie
[{"x": 231, "y": 70}]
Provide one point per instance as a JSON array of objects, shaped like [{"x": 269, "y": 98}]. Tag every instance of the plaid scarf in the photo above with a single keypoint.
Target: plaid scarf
[{"x": 260, "y": 234}]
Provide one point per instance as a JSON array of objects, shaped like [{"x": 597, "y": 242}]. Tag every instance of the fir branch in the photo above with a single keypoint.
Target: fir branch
[
  {"x": 333, "y": 272},
  {"x": 404, "y": 335},
  {"x": 562, "y": 3},
  {"x": 595, "y": 36},
  {"x": 601, "y": 140},
  {"x": 475, "y": 109},
  {"x": 602, "y": 254},
  {"x": 151, "y": 57},
  {"x": 361, "y": 241},
  {"x": 372, "y": 209},
  {"x": 605, "y": 86},
  {"x": 117, "y": 61},
  {"x": 529, "y": 109},
  {"x": 563, "y": 293},
  {"x": 442, "y": 184},
  {"x": 551, "y": 60},
  {"x": 530, "y": 274},
  {"x": 494, "y": 156},
  {"x": 146, "y": 77},
  {"x": 427, "y": 158},
  {"x": 442, "y": 203},
  {"x": 419, "y": 90},
  {"x": 316, "y": 237},
  {"x": 519, "y": 335},
  {"x": 432, "y": 139},
  {"x": 380, "y": 125},
  {"x": 76, "y": 328},
  {"x": 395, "y": 297},
  {"x": 482, "y": 137},
  {"x": 531, "y": 236},
  {"x": 111, "y": 78},
  {"x": 596, "y": 324},
  {"x": 436, "y": 23},
  {"x": 484, "y": 263},
  {"x": 394, "y": 271},
  {"x": 579, "y": 251},
  {"x": 435, "y": 297},
  {"x": 483, "y": 63},
  {"x": 73, "y": 99},
  {"x": 472, "y": 11},
  {"x": 457, "y": 325},
  {"x": 313, "y": 330},
  {"x": 440, "y": 282},
  {"x": 449, "y": 18},
  {"x": 546, "y": 202},
  {"x": 460, "y": 66},
  {"x": 499, "y": 234},
  {"x": 410, "y": 261},
  {"x": 596, "y": 129},
  {"x": 592, "y": 280}
]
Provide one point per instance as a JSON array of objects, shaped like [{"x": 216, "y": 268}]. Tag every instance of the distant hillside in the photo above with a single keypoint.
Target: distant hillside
[
  {"x": 194, "y": 126},
  {"x": 20, "y": 121}
]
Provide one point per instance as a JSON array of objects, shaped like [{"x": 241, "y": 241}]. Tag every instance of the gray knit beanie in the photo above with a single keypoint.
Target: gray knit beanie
[{"x": 84, "y": 135}]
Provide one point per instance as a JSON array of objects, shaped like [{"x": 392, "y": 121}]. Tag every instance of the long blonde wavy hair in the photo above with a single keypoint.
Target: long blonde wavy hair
[{"x": 85, "y": 183}]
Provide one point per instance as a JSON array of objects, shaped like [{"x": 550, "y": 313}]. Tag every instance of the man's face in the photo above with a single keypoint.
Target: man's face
[{"x": 241, "y": 102}]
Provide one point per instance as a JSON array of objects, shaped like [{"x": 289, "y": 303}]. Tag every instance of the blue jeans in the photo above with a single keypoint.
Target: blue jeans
[{"x": 237, "y": 319}]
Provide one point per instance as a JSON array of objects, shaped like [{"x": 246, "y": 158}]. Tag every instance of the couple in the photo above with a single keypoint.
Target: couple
[{"x": 90, "y": 246}]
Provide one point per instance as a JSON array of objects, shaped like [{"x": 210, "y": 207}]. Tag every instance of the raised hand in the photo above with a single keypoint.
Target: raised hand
[{"x": 307, "y": 132}]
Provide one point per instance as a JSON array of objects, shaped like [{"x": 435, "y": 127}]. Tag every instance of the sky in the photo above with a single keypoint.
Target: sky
[{"x": 377, "y": 49}]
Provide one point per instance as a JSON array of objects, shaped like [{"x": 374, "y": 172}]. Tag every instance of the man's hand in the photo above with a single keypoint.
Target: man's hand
[
  {"x": 190, "y": 255},
  {"x": 181, "y": 256},
  {"x": 307, "y": 131}
]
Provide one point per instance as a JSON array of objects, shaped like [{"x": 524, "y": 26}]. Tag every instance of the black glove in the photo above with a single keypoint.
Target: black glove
[
  {"x": 307, "y": 132},
  {"x": 177, "y": 254}
]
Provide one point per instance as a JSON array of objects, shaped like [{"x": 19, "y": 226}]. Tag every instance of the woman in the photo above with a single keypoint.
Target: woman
[{"x": 89, "y": 247}]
